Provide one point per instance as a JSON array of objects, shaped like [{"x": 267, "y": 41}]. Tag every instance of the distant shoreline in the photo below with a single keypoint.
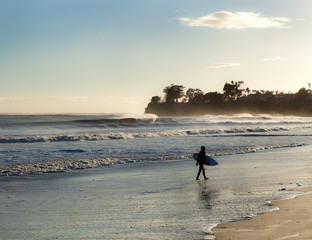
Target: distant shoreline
[
  {"x": 228, "y": 108},
  {"x": 234, "y": 99}
]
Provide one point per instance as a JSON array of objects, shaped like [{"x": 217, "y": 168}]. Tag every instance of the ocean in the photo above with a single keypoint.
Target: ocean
[
  {"x": 34, "y": 144},
  {"x": 243, "y": 184}
]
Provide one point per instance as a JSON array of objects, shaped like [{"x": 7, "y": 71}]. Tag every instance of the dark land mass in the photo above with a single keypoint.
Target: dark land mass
[
  {"x": 233, "y": 100},
  {"x": 228, "y": 108}
]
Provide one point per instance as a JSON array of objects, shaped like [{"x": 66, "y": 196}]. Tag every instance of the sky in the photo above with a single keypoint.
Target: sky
[{"x": 112, "y": 56}]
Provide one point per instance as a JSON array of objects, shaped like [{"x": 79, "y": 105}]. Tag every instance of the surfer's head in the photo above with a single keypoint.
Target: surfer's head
[{"x": 203, "y": 148}]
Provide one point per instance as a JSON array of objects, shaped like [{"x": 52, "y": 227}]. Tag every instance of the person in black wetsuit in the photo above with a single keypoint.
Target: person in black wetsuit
[{"x": 200, "y": 161}]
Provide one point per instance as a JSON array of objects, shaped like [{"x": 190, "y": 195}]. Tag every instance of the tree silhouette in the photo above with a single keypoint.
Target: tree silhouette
[
  {"x": 247, "y": 91},
  {"x": 173, "y": 93},
  {"x": 233, "y": 100},
  {"x": 302, "y": 94},
  {"x": 213, "y": 97},
  {"x": 155, "y": 100},
  {"x": 231, "y": 91},
  {"x": 195, "y": 95}
]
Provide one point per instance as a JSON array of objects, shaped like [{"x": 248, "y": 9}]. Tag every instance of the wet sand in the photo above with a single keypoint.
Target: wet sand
[
  {"x": 292, "y": 221},
  {"x": 139, "y": 201}
]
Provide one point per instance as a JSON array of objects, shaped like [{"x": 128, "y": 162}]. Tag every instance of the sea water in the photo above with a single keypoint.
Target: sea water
[
  {"x": 33, "y": 144},
  {"x": 158, "y": 204}
]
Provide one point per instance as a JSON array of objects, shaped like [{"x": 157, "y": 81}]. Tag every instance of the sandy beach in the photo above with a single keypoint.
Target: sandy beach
[{"x": 293, "y": 220}]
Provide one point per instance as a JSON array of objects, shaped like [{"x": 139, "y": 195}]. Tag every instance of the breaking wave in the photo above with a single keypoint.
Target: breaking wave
[
  {"x": 130, "y": 135},
  {"x": 139, "y": 120},
  {"x": 59, "y": 166},
  {"x": 77, "y": 120},
  {"x": 77, "y": 135}
]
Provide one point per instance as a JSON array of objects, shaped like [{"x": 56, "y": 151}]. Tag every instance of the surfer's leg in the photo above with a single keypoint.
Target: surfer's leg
[
  {"x": 197, "y": 178},
  {"x": 199, "y": 170},
  {"x": 204, "y": 174}
]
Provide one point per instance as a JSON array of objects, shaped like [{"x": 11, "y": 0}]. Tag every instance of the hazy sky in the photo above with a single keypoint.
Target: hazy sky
[{"x": 114, "y": 55}]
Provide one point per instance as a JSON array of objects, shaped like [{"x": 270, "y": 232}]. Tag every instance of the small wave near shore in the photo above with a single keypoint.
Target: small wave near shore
[
  {"x": 35, "y": 144},
  {"x": 76, "y": 164}
]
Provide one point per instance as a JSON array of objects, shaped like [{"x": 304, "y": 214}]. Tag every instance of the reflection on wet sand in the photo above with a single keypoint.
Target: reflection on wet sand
[{"x": 206, "y": 193}]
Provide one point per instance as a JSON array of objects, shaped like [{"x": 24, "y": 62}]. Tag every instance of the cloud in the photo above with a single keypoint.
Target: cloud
[
  {"x": 271, "y": 59},
  {"x": 224, "y": 65},
  {"x": 238, "y": 20}
]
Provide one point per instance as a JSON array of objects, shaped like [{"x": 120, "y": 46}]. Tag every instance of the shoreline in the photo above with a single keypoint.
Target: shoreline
[
  {"x": 149, "y": 200},
  {"x": 291, "y": 220}
]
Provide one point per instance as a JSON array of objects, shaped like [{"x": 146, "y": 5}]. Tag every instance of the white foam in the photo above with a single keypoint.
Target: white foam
[
  {"x": 67, "y": 164},
  {"x": 288, "y": 237},
  {"x": 143, "y": 134},
  {"x": 208, "y": 231}
]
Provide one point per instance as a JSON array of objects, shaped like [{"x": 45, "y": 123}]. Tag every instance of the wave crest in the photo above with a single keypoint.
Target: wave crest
[
  {"x": 68, "y": 165},
  {"x": 125, "y": 135}
]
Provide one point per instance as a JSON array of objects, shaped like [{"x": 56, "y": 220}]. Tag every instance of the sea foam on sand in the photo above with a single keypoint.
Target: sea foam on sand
[{"x": 293, "y": 220}]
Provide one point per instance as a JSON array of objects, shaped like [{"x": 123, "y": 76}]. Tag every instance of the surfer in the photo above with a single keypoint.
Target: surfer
[{"x": 200, "y": 161}]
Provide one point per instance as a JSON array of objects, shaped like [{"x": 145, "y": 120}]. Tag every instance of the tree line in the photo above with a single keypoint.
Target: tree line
[{"x": 234, "y": 98}]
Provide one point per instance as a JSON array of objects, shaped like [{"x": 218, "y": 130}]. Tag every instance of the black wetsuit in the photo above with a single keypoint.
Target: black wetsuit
[{"x": 200, "y": 161}]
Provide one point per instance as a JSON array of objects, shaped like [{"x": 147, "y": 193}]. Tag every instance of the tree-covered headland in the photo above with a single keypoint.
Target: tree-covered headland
[{"x": 234, "y": 99}]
